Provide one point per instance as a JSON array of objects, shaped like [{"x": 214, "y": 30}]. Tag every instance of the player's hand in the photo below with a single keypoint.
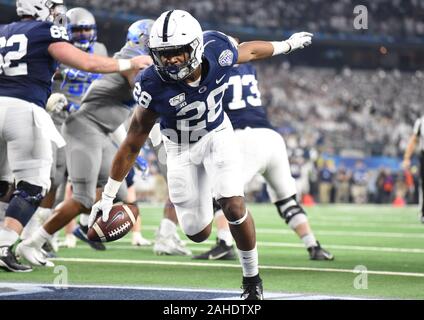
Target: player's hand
[
  {"x": 102, "y": 207},
  {"x": 300, "y": 40},
  {"x": 406, "y": 164},
  {"x": 141, "y": 62},
  {"x": 56, "y": 103},
  {"x": 72, "y": 107},
  {"x": 142, "y": 165}
]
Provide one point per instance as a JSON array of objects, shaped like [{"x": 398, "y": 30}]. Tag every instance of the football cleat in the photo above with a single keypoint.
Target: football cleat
[
  {"x": 33, "y": 255},
  {"x": 252, "y": 290},
  {"x": 48, "y": 251},
  {"x": 318, "y": 253},
  {"x": 218, "y": 252},
  {"x": 139, "y": 241},
  {"x": 69, "y": 242},
  {"x": 9, "y": 262},
  {"x": 81, "y": 233},
  {"x": 422, "y": 218},
  {"x": 171, "y": 245}
]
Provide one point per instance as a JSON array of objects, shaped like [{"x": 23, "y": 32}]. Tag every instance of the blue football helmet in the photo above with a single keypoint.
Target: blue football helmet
[{"x": 138, "y": 35}]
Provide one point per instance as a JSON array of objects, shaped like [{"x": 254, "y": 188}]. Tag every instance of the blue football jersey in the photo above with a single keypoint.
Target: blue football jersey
[
  {"x": 186, "y": 112},
  {"x": 26, "y": 67},
  {"x": 242, "y": 100}
]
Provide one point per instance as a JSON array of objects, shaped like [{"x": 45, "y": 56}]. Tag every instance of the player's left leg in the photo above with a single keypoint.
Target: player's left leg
[
  {"x": 224, "y": 248},
  {"x": 282, "y": 190},
  {"x": 30, "y": 158},
  {"x": 223, "y": 164}
]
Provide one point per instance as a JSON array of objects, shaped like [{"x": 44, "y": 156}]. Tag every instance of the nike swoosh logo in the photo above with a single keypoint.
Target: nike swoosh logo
[
  {"x": 218, "y": 256},
  {"x": 43, "y": 263},
  {"x": 220, "y": 79},
  {"x": 117, "y": 216},
  {"x": 221, "y": 129}
]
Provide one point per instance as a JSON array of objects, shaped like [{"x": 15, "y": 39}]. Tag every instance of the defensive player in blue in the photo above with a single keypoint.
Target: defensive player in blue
[
  {"x": 263, "y": 152},
  {"x": 29, "y": 51},
  {"x": 185, "y": 89}
]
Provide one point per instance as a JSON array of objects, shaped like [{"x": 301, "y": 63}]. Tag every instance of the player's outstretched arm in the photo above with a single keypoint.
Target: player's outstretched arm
[
  {"x": 138, "y": 132},
  {"x": 141, "y": 124},
  {"x": 255, "y": 50},
  {"x": 71, "y": 56}
]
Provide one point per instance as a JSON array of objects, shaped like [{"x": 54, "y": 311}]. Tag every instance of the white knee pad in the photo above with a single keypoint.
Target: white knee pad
[{"x": 297, "y": 220}]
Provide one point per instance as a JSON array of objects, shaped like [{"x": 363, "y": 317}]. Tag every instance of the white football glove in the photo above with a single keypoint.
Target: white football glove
[
  {"x": 102, "y": 206},
  {"x": 56, "y": 102},
  {"x": 299, "y": 40}
]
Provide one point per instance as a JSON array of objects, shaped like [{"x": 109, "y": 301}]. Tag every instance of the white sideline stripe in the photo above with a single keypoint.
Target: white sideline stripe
[
  {"x": 206, "y": 246},
  {"x": 326, "y": 223},
  {"x": 228, "y": 265}
]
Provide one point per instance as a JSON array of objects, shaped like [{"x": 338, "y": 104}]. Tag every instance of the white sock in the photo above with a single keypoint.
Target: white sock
[
  {"x": 83, "y": 220},
  {"x": 249, "y": 262},
  {"x": 225, "y": 234},
  {"x": 136, "y": 235},
  {"x": 43, "y": 214},
  {"x": 309, "y": 240},
  {"x": 40, "y": 237},
  {"x": 167, "y": 228},
  {"x": 8, "y": 237}
]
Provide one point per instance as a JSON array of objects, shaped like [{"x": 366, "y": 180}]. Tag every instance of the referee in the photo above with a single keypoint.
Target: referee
[{"x": 417, "y": 136}]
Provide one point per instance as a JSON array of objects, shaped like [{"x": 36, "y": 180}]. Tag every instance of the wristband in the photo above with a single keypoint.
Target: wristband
[
  {"x": 111, "y": 188},
  {"x": 280, "y": 47},
  {"x": 124, "y": 64}
]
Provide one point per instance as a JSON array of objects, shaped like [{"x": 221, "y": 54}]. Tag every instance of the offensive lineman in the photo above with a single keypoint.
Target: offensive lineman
[
  {"x": 264, "y": 152},
  {"x": 69, "y": 87}
]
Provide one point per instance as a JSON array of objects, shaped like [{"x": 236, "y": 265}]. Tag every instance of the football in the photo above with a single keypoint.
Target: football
[{"x": 122, "y": 218}]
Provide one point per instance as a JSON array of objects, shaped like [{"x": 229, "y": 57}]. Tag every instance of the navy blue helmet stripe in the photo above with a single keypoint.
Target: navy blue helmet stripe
[{"x": 165, "y": 27}]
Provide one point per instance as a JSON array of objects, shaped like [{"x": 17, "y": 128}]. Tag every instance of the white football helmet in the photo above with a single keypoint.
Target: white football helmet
[
  {"x": 39, "y": 9},
  {"x": 173, "y": 33}
]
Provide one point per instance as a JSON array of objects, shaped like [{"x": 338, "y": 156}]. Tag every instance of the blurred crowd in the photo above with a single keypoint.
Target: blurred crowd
[
  {"x": 320, "y": 181},
  {"x": 337, "y": 111},
  {"x": 385, "y": 17}
]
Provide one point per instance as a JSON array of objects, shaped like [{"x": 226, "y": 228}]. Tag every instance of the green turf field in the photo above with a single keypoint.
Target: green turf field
[{"x": 388, "y": 241}]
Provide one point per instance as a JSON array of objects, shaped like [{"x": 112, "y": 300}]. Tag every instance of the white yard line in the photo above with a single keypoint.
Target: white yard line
[
  {"x": 207, "y": 244},
  {"x": 229, "y": 265},
  {"x": 285, "y": 230}
]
